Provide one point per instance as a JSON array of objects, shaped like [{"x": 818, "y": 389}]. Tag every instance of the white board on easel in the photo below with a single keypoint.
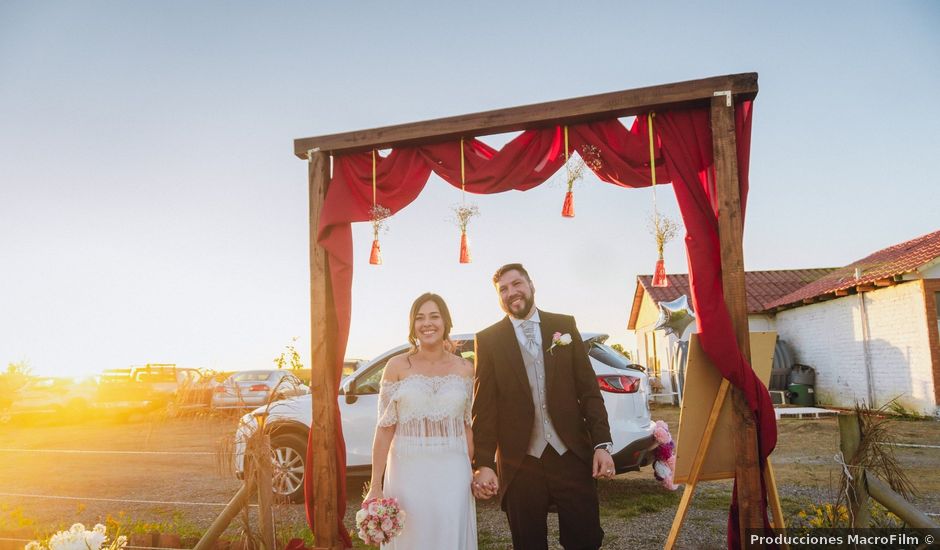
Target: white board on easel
[{"x": 702, "y": 380}]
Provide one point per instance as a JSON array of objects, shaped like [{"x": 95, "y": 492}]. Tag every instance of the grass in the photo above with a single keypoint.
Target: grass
[
  {"x": 488, "y": 540},
  {"x": 642, "y": 497}
]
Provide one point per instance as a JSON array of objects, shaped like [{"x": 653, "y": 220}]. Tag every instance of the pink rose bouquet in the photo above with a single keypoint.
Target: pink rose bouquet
[{"x": 379, "y": 520}]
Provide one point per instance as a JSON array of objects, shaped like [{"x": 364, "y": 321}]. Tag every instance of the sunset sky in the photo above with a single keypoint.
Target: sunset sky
[{"x": 152, "y": 210}]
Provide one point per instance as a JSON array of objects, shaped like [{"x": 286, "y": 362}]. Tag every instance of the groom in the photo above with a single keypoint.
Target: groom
[{"x": 539, "y": 420}]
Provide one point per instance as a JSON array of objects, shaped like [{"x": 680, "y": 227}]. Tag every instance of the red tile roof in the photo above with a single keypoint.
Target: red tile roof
[
  {"x": 884, "y": 264},
  {"x": 763, "y": 287}
]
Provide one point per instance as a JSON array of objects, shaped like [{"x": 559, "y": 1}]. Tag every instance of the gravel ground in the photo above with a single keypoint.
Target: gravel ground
[{"x": 636, "y": 511}]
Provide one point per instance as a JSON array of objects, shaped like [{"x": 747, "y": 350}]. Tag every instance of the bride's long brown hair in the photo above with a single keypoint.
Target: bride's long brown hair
[{"x": 445, "y": 315}]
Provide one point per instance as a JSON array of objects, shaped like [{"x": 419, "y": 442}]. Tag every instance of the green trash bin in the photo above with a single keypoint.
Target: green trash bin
[{"x": 802, "y": 394}]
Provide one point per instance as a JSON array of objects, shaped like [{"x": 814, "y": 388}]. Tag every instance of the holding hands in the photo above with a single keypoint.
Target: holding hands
[
  {"x": 603, "y": 465},
  {"x": 485, "y": 484}
]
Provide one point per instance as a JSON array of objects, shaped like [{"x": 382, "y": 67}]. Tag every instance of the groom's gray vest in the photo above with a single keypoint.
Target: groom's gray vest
[{"x": 543, "y": 432}]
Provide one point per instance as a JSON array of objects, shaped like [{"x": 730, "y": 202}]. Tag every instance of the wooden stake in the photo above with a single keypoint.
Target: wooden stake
[
  {"x": 231, "y": 510},
  {"x": 773, "y": 498},
  {"x": 896, "y": 504},
  {"x": 731, "y": 238},
  {"x": 322, "y": 362},
  {"x": 265, "y": 492},
  {"x": 850, "y": 437}
]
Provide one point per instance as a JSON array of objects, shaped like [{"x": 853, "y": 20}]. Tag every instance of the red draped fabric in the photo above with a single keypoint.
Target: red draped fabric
[{"x": 683, "y": 157}]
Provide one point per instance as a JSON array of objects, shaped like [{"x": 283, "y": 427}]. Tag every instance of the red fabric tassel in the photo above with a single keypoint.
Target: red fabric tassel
[
  {"x": 659, "y": 275},
  {"x": 376, "y": 257},
  {"x": 464, "y": 249},
  {"x": 567, "y": 210}
]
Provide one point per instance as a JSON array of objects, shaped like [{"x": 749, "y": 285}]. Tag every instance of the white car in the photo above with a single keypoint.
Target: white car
[{"x": 624, "y": 388}]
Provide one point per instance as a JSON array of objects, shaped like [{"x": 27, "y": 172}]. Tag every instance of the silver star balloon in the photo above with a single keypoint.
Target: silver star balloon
[{"x": 675, "y": 316}]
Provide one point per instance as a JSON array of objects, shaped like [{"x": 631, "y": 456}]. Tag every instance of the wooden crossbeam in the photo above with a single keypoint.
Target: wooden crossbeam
[
  {"x": 842, "y": 292},
  {"x": 865, "y": 288},
  {"x": 691, "y": 93},
  {"x": 885, "y": 282}
]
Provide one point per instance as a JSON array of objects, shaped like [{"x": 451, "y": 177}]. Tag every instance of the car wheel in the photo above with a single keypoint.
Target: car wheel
[{"x": 288, "y": 452}]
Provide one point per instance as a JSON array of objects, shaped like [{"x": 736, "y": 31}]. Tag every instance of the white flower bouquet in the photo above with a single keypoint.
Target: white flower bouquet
[{"x": 79, "y": 538}]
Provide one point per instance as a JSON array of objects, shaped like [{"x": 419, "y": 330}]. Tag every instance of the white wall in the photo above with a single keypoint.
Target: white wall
[
  {"x": 828, "y": 337},
  {"x": 757, "y": 322},
  {"x": 931, "y": 270}
]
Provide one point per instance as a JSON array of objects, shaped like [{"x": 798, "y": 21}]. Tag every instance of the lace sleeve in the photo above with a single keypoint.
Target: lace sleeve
[
  {"x": 468, "y": 405},
  {"x": 388, "y": 404}
]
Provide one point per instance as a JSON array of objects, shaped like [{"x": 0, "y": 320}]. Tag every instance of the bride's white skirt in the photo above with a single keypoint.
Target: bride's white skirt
[{"x": 433, "y": 489}]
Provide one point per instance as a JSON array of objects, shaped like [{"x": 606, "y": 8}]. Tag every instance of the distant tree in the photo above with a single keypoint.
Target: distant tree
[
  {"x": 289, "y": 357},
  {"x": 14, "y": 376},
  {"x": 621, "y": 351}
]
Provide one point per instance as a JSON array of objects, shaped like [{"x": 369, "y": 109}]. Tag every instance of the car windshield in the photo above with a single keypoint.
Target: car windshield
[
  {"x": 611, "y": 357},
  {"x": 251, "y": 376}
]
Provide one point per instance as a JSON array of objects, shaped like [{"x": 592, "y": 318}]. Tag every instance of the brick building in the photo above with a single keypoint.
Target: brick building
[
  {"x": 870, "y": 329},
  {"x": 656, "y": 351}
]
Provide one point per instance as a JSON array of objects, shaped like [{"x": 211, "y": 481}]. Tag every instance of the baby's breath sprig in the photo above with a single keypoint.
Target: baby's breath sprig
[
  {"x": 379, "y": 215},
  {"x": 463, "y": 213}
]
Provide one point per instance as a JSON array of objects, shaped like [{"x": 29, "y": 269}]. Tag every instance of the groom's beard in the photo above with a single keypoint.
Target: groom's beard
[{"x": 528, "y": 302}]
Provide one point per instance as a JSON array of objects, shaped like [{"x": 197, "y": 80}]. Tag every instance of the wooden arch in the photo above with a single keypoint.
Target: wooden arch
[{"x": 719, "y": 93}]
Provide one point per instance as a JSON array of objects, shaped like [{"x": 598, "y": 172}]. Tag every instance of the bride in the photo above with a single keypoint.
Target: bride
[{"x": 423, "y": 441}]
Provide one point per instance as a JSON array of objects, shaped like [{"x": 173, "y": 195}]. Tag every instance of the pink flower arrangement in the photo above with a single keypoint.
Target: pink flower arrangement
[
  {"x": 379, "y": 520},
  {"x": 665, "y": 464}
]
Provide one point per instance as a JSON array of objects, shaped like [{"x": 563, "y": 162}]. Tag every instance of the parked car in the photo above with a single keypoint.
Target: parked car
[
  {"x": 151, "y": 387},
  {"x": 50, "y": 395},
  {"x": 255, "y": 388},
  {"x": 624, "y": 388}
]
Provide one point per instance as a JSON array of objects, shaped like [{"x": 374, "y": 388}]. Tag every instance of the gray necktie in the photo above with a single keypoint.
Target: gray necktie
[{"x": 528, "y": 329}]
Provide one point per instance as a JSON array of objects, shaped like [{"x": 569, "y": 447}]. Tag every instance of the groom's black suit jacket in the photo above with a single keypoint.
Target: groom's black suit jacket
[{"x": 503, "y": 412}]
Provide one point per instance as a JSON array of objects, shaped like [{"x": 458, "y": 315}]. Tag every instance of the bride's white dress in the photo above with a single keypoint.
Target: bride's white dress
[{"x": 428, "y": 466}]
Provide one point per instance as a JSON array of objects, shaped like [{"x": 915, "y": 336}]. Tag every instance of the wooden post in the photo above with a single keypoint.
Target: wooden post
[
  {"x": 850, "y": 437},
  {"x": 265, "y": 492},
  {"x": 731, "y": 238},
  {"x": 220, "y": 523},
  {"x": 322, "y": 361},
  {"x": 896, "y": 504}
]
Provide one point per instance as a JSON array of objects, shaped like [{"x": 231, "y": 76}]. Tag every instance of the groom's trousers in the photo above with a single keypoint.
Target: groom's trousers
[{"x": 564, "y": 481}]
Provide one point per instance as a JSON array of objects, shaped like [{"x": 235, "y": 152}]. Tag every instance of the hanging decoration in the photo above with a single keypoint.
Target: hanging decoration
[
  {"x": 574, "y": 170},
  {"x": 675, "y": 316},
  {"x": 378, "y": 214},
  {"x": 589, "y": 156},
  {"x": 662, "y": 228},
  {"x": 463, "y": 212}
]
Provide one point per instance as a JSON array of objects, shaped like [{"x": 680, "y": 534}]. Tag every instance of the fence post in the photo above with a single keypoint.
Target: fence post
[
  {"x": 265, "y": 492},
  {"x": 896, "y": 504},
  {"x": 234, "y": 506},
  {"x": 850, "y": 436}
]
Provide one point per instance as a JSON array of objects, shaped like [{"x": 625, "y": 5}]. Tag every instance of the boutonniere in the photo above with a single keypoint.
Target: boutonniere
[{"x": 559, "y": 339}]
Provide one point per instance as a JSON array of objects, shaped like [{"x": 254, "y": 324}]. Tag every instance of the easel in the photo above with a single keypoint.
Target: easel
[
  {"x": 704, "y": 377},
  {"x": 773, "y": 496}
]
